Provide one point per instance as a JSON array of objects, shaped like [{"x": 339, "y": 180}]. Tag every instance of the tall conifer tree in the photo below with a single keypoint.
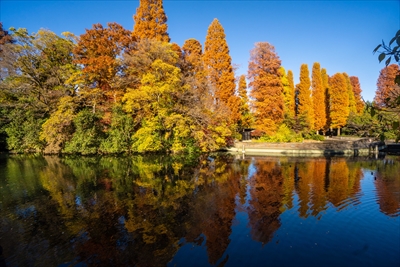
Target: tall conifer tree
[
  {"x": 318, "y": 98},
  {"x": 266, "y": 87},
  {"x": 352, "y": 100},
  {"x": 245, "y": 116},
  {"x": 326, "y": 90},
  {"x": 304, "y": 101},
  {"x": 355, "y": 83},
  {"x": 288, "y": 95},
  {"x": 339, "y": 101},
  {"x": 150, "y": 21},
  {"x": 218, "y": 66},
  {"x": 291, "y": 102}
]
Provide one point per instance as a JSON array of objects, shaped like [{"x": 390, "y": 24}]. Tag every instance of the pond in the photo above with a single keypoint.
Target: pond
[{"x": 212, "y": 210}]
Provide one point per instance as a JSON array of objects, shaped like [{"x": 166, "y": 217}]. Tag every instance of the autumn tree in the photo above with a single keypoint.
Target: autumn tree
[
  {"x": 318, "y": 98},
  {"x": 5, "y": 38},
  {"x": 150, "y": 21},
  {"x": 288, "y": 92},
  {"x": 246, "y": 119},
  {"x": 305, "y": 110},
  {"x": 218, "y": 66},
  {"x": 352, "y": 100},
  {"x": 355, "y": 83},
  {"x": 98, "y": 51},
  {"x": 386, "y": 85},
  {"x": 339, "y": 101},
  {"x": 266, "y": 87},
  {"x": 326, "y": 90}
]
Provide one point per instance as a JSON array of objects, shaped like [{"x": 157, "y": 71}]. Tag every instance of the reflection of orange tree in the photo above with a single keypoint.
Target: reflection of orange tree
[
  {"x": 288, "y": 184},
  {"x": 214, "y": 206},
  {"x": 303, "y": 182},
  {"x": 318, "y": 198},
  {"x": 266, "y": 200},
  {"x": 387, "y": 185},
  {"x": 344, "y": 183}
]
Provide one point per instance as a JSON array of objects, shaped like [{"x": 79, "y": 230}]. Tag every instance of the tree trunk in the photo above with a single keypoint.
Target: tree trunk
[{"x": 338, "y": 131}]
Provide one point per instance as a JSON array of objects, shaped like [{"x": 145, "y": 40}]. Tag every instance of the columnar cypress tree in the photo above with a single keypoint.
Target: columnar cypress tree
[
  {"x": 291, "y": 102},
  {"x": 288, "y": 94},
  {"x": 352, "y": 100},
  {"x": 218, "y": 66},
  {"x": 266, "y": 87},
  {"x": 150, "y": 21},
  {"x": 318, "y": 98},
  {"x": 339, "y": 101},
  {"x": 245, "y": 116},
  {"x": 355, "y": 83},
  {"x": 326, "y": 90},
  {"x": 304, "y": 101}
]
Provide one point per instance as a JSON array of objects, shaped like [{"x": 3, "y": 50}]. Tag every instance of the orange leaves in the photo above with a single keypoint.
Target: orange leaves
[
  {"x": 386, "y": 85},
  {"x": 357, "y": 94},
  {"x": 266, "y": 86},
  {"x": 304, "y": 106},
  {"x": 150, "y": 21},
  {"x": 339, "y": 101}
]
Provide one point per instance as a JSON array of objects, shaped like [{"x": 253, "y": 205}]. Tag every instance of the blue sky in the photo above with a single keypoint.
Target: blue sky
[{"x": 340, "y": 35}]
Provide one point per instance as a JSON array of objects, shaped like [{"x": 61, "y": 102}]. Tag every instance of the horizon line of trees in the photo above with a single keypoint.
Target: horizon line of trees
[{"x": 112, "y": 90}]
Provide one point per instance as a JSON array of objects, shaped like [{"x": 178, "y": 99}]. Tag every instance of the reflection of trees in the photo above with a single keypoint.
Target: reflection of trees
[
  {"x": 318, "y": 197},
  {"x": 344, "y": 183},
  {"x": 266, "y": 200},
  {"x": 387, "y": 185},
  {"x": 305, "y": 172}
]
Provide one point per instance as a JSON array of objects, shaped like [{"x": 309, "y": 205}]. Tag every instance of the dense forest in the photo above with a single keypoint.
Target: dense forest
[{"x": 112, "y": 90}]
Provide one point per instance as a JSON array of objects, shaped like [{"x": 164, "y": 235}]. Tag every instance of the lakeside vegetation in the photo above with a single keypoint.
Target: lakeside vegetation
[{"x": 112, "y": 90}]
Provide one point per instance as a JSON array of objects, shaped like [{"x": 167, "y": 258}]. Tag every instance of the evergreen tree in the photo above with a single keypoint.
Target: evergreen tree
[
  {"x": 218, "y": 65},
  {"x": 304, "y": 101},
  {"x": 318, "y": 98},
  {"x": 266, "y": 87},
  {"x": 355, "y": 83},
  {"x": 150, "y": 21},
  {"x": 339, "y": 101}
]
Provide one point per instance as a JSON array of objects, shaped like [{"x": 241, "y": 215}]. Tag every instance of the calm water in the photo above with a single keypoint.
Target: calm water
[{"x": 217, "y": 210}]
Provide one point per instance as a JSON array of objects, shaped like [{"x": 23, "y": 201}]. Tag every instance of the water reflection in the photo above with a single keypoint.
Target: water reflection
[{"x": 139, "y": 211}]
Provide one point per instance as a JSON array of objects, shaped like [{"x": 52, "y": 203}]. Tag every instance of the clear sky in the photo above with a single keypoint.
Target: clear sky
[{"x": 340, "y": 35}]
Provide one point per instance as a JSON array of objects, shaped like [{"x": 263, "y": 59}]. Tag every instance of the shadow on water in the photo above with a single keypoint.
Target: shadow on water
[{"x": 148, "y": 210}]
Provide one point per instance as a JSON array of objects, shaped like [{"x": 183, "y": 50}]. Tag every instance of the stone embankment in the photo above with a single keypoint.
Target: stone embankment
[{"x": 331, "y": 146}]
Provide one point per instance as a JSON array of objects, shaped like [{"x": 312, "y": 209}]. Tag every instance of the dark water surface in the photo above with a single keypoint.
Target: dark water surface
[{"x": 216, "y": 210}]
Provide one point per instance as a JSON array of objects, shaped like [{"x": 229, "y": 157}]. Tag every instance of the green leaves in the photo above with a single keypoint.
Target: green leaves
[{"x": 381, "y": 57}]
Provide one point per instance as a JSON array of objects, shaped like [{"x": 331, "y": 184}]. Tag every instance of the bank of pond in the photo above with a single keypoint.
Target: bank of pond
[{"x": 213, "y": 209}]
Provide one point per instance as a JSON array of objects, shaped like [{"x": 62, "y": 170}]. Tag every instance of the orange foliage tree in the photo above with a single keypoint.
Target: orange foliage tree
[
  {"x": 150, "y": 21},
  {"x": 266, "y": 87},
  {"x": 386, "y": 85},
  {"x": 245, "y": 116},
  {"x": 355, "y": 83},
  {"x": 326, "y": 89},
  {"x": 193, "y": 67},
  {"x": 97, "y": 51},
  {"x": 339, "y": 101},
  {"x": 318, "y": 98},
  {"x": 218, "y": 65},
  {"x": 305, "y": 110}
]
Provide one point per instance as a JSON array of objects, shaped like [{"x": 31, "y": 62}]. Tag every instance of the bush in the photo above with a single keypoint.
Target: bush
[
  {"x": 314, "y": 136},
  {"x": 284, "y": 134}
]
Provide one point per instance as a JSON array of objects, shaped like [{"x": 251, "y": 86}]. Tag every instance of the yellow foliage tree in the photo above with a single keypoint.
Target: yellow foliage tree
[
  {"x": 352, "y": 100},
  {"x": 326, "y": 89},
  {"x": 355, "y": 83},
  {"x": 305, "y": 109},
  {"x": 291, "y": 100},
  {"x": 318, "y": 98},
  {"x": 246, "y": 119},
  {"x": 339, "y": 101}
]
